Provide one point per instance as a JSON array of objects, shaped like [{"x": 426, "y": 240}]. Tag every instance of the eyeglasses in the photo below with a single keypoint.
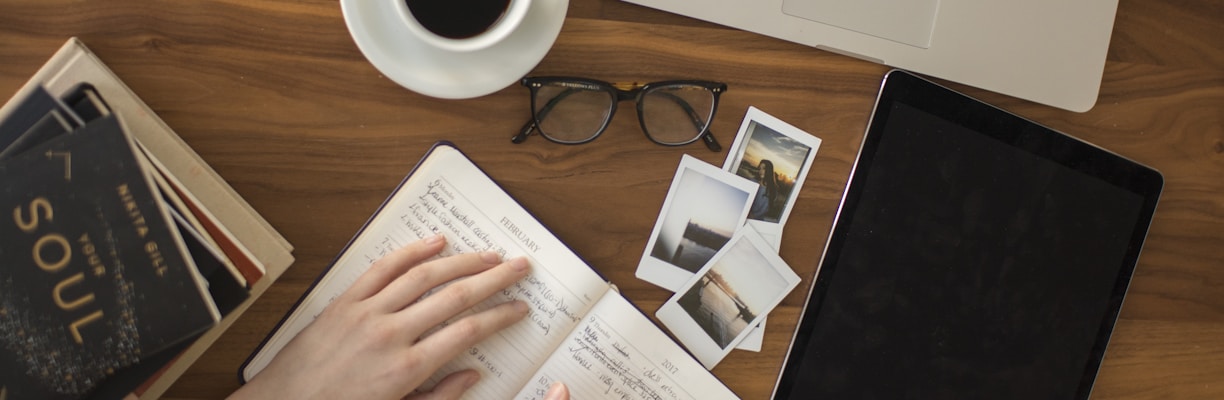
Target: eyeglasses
[{"x": 575, "y": 110}]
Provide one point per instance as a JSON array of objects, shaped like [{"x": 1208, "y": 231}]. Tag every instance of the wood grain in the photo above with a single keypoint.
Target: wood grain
[{"x": 277, "y": 98}]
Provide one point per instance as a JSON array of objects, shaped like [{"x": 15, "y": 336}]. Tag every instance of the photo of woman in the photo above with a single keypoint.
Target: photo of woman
[
  {"x": 767, "y": 194},
  {"x": 774, "y": 161}
]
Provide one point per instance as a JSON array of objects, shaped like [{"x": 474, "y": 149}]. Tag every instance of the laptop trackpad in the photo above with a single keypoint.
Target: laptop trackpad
[{"x": 906, "y": 21}]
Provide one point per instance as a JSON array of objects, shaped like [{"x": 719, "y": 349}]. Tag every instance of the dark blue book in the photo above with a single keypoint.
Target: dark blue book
[
  {"x": 38, "y": 118},
  {"x": 96, "y": 277},
  {"x": 28, "y": 112}
]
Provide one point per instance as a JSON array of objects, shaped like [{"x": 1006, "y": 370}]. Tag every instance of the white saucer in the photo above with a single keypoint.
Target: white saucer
[{"x": 384, "y": 40}]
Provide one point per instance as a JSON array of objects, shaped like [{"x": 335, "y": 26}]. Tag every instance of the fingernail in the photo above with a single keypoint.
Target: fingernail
[
  {"x": 556, "y": 392},
  {"x": 435, "y": 239},
  {"x": 520, "y": 307},
  {"x": 519, "y": 264},
  {"x": 490, "y": 257}
]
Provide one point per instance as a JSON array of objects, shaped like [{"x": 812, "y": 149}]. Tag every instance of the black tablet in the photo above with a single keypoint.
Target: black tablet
[{"x": 975, "y": 255}]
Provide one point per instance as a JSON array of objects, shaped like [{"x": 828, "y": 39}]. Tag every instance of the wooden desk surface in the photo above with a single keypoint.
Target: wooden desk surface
[{"x": 276, "y": 97}]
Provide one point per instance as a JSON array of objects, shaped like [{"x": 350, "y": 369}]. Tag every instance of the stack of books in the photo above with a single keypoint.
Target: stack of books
[{"x": 125, "y": 255}]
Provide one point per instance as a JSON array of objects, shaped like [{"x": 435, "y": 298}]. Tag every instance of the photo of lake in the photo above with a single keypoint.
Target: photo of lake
[
  {"x": 739, "y": 285},
  {"x": 703, "y": 214}
]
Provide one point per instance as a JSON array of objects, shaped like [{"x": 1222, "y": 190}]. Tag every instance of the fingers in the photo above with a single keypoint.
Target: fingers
[
  {"x": 431, "y": 352},
  {"x": 463, "y": 294},
  {"x": 445, "y": 344},
  {"x": 420, "y": 279},
  {"x": 390, "y": 267},
  {"x": 558, "y": 391}
]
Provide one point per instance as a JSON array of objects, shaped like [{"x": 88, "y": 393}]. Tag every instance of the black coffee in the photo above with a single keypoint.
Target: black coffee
[{"x": 457, "y": 19}]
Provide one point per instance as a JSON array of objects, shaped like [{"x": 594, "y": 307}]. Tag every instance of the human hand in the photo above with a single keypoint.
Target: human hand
[
  {"x": 557, "y": 391},
  {"x": 367, "y": 344}
]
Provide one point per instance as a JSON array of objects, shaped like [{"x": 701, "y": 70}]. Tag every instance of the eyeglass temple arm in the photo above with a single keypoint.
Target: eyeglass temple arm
[
  {"x": 525, "y": 132},
  {"x": 531, "y": 125},
  {"x": 707, "y": 137},
  {"x": 710, "y": 142}
]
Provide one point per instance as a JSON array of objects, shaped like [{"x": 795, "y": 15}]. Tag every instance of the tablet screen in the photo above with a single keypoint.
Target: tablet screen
[{"x": 976, "y": 255}]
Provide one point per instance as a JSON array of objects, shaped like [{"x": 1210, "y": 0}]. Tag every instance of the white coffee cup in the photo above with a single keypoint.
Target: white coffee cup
[{"x": 515, "y": 12}]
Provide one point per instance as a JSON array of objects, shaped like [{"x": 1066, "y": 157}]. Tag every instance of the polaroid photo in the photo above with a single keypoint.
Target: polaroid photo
[
  {"x": 766, "y": 143},
  {"x": 777, "y": 156},
  {"x": 704, "y": 208},
  {"x": 731, "y": 294}
]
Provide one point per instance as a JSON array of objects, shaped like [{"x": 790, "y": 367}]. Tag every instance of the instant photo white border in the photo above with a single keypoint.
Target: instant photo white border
[
  {"x": 663, "y": 273},
  {"x": 772, "y": 231},
  {"x": 756, "y": 336},
  {"x": 686, "y": 329}
]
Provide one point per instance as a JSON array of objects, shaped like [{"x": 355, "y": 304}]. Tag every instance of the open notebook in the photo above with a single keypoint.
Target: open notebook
[{"x": 580, "y": 330}]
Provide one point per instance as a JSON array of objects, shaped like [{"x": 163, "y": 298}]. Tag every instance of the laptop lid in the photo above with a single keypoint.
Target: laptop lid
[
  {"x": 1047, "y": 51},
  {"x": 975, "y": 254}
]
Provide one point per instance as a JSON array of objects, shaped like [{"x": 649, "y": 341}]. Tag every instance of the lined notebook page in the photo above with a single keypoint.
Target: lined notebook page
[
  {"x": 448, "y": 195},
  {"x": 618, "y": 353}
]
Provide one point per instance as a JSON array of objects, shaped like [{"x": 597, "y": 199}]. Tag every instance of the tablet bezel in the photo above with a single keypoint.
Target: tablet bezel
[{"x": 902, "y": 87}]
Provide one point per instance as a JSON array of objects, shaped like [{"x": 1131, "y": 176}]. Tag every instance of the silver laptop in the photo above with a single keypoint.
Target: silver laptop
[{"x": 1047, "y": 51}]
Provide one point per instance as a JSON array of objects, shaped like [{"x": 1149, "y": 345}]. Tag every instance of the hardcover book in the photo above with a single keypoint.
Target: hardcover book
[
  {"x": 260, "y": 254},
  {"x": 97, "y": 277},
  {"x": 580, "y": 330},
  {"x": 38, "y": 118},
  {"x": 32, "y": 107}
]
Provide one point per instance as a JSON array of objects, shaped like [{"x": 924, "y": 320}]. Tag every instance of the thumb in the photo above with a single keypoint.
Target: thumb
[{"x": 557, "y": 391}]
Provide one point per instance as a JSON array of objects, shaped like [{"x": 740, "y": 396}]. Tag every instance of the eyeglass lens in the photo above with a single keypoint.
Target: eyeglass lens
[
  {"x": 572, "y": 113},
  {"x": 675, "y": 114},
  {"x": 576, "y": 113}
]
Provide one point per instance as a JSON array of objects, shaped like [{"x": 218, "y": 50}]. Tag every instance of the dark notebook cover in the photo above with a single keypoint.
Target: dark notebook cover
[
  {"x": 95, "y": 278},
  {"x": 32, "y": 108},
  {"x": 39, "y": 117},
  {"x": 85, "y": 101}
]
